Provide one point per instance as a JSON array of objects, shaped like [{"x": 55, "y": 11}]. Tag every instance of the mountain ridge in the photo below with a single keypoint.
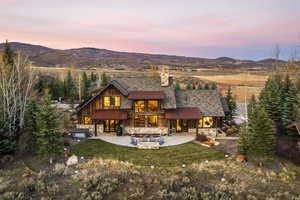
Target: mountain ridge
[{"x": 98, "y": 57}]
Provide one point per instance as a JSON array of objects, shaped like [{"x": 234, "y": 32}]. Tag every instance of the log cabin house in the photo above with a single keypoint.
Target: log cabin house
[{"x": 150, "y": 105}]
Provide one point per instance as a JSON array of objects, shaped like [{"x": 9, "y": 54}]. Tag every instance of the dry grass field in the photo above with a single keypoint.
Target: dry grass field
[
  {"x": 241, "y": 79},
  {"x": 243, "y": 84}
]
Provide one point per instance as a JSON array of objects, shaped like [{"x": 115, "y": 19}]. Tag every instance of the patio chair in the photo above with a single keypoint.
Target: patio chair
[
  {"x": 133, "y": 140},
  {"x": 161, "y": 141},
  {"x": 144, "y": 139},
  {"x": 152, "y": 139}
]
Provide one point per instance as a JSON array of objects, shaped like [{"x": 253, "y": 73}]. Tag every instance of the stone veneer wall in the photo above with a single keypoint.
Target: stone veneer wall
[
  {"x": 208, "y": 131},
  {"x": 91, "y": 127},
  {"x": 100, "y": 129},
  {"x": 192, "y": 130},
  {"x": 146, "y": 130}
]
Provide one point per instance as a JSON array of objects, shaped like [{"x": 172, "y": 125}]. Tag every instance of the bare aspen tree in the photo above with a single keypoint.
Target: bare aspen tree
[
  {"x": 277, "y": 52},
  {"x": 79, "y": 87},
  {"x": 16, "y": 89}
]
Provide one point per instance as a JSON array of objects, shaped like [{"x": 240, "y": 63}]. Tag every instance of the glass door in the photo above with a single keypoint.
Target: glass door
[{"x": 111, "y": 125}]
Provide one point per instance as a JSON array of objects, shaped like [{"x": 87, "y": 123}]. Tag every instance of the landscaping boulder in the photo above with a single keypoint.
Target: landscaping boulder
[
  {"x": 59, "y": 168},
  {"x": 4, "y": 184},
  {"x": 73, "y": 160},
  {"x": 68, "y": 171}
]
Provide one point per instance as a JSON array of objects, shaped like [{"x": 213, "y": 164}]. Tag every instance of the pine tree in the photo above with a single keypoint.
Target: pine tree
[
  {"x": 177, "y": 86},
  {"x": 70, "y": 87},
  {"x": 206, "y": 86},
  {"x": 251, "y": 104},
  {"x": 57, "y": 89},
  {"x": 8, "y": 57},
  {"x": 94, "y": 77},
  {"x": 271, "y": 98},
  {"x": 104, "y": 80},
  {"x": 200, "y": 87},
  {"x": 243, "y": 141},
  {"x": 231, "y": 105},
  {"x": 193, "y": 86},
  {"x": 214, "y": 86},
  {"x": 261, "y": 138},
  {"x": 86, "y": 84},
  {"x": 48, "y": 134},
  {"x": 188, "y": 86},
  {"x": 7, "y": 140},
  {"x": 290, "y": 101}
]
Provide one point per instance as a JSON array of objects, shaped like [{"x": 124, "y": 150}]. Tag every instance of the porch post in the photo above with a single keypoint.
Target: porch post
[
  {"x": 95, "y": 127},
  {"x": 197, "y": 125},
  {"x": 168, "y": 126}
]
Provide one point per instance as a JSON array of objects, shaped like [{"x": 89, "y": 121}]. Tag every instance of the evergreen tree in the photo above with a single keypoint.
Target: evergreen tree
[
  {"x": 193, "y": 86},
  {"x": 104, "y": 80},
  {"x": 200, "y": 87},
  {"x": 48, "y": 134},
  {"x": 177, "y": 86},
  {"x": 57, "y": 89},
  {"x": 251, "y": 104},
  {"x": 214, "y": 86},
  {"x": 7, "y": 140},
  {"x": 231, "y": 105},
  {"x": 297, "y": 108},
  {"x": 70, "y": 87},
  {"x": 244, "y": 140},
  {"x": 206, "y": 86},
  {"x": 93, "y": 77},
  {"x": 188, "y": 86},
  {"x": 27, "y": 140},
  {"x": 290, "y": 101},
  {"x": 86, "y": 84},
  {"x": 271, "y": 99},
  {"x": 261, "y": 138},
  {"x": 8, "y": 57}
]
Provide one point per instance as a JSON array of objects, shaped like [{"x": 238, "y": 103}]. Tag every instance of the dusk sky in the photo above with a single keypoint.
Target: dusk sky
[{"x": 235, "y": 28}]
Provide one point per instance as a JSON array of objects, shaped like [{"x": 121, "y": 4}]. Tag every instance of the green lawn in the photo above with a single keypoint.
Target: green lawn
[{"x": 165, "y": 157}]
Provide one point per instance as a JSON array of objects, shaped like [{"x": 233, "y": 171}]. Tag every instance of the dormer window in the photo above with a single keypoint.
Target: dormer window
[{"x": 112, "y": 101}]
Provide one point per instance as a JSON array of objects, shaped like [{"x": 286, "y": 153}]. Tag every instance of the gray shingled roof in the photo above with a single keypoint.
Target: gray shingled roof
[
  {"x": 128, "y": 84},
  {"x": 147, "y": 84},
  {"x": 208, "y": 101}
]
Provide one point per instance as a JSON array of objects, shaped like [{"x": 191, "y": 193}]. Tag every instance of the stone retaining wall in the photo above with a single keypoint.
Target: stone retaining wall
[
  {"x": 146, "y": 130},
  {"x": 208, "y": 132}
]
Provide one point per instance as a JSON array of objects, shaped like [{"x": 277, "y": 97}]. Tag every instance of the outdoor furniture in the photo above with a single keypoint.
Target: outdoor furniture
[
  {"x": 133, "y": 141},
  {"x": 148, "y": 145}
]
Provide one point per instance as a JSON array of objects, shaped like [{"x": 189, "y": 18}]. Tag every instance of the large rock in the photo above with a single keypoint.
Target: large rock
[
  {"x": 59, "y": 168},
  {"x": 73, "y": 160},
  {"x": 4, "y": 184}
]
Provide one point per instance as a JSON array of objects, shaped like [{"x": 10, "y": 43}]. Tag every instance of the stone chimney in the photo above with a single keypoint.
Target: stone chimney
[{"x": 164, "y": 76}]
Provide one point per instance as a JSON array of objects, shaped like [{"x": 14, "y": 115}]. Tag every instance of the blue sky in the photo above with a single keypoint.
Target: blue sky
[{"x": 234, "y": 28}]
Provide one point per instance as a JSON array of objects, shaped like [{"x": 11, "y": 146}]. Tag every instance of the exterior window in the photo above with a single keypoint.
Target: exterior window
[
  {"x": 139, "y": 121},
  {"x": 87, "y": 120},
  {"x": 139, "y": 106},
  {"x": 206, "y": 122},
  {"x": 106, "y": 101},
  {"x": 112, "y": 101},
  {"x": 200, "y": 125},
  {"x": 117, "y": 101},
  {"x": 152, "y": 106},
  {"x": 152, "y": 121}
]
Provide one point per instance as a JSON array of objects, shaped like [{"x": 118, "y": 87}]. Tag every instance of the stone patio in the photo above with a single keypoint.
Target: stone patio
[{"x": 125, "y": 140}]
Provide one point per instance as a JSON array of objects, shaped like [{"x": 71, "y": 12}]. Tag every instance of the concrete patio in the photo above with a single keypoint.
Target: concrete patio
[{"x": 125, "y": 140}]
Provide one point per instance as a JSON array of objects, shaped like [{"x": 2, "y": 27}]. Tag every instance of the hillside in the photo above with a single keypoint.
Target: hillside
[{"x": 93, "y": 57}]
